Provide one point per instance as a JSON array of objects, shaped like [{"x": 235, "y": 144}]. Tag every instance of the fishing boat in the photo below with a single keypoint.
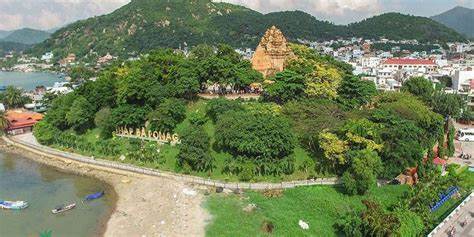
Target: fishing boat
[
  {"x": 63, "y": 208},
  {"x": 94, "y": 196},
  {"x": 13, "y": 205}
]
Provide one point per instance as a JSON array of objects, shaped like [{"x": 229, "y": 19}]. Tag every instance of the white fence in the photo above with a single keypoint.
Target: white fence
[{"x": 158, "y": 173}]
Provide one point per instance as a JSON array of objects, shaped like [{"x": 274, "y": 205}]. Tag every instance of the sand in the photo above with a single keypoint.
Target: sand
[{"x": 146, "y": 206}]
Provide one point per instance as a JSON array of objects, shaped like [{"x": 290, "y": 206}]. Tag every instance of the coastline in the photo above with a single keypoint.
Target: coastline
[{"x": 169, "y": 210}]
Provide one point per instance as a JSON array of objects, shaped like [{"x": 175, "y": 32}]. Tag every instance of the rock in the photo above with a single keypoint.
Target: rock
[
  {"x": 122, "y": 158},
  {"x": 126, "y": 181},
  {"x": 227, "y": 191},
  {"x": 189, "y": 192},
  {"x": 250, "y": 207},
  {"x": 272, "y": 53},
  {"x": 219, "y": 189},
  {"x": 303, "y": 225},
  {"x": 238, "y": 191}
]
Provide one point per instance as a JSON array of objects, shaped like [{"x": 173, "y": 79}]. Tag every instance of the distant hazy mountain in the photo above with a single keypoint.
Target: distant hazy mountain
[
  {"x": 26, "y": 36},
  {"x": 459, "y": 18},
  {"x": 142, "y": 25},
  {"x": 4, "y": 33}
]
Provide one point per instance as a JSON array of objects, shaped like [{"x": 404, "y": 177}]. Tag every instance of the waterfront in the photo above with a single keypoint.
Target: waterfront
[
  {"x": 44, "y": 188},
  {"x": 28, "y": 80}
]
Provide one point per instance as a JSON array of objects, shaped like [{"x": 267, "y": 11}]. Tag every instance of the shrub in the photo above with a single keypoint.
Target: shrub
[{"x": 45, "y": 133}]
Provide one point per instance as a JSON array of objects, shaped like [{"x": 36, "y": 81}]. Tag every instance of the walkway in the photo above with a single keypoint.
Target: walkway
[
  {"x": 28, "y": 142},
  {"x": 464, "y": 212}
]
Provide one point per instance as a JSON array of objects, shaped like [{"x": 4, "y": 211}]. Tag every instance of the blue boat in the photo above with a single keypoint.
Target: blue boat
[{"x": 94, "y": 196}]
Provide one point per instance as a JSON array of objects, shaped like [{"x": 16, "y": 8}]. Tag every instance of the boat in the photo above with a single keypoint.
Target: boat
[
  {"x": 94, "y": 196},
  {"x": 13, "y": 205},
  {"x": 63, "y": 208}
]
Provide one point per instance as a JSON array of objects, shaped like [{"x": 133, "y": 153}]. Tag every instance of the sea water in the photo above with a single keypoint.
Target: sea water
[
  {"x": 44, "y": 188},
  {"x": 28, "y": 80}
]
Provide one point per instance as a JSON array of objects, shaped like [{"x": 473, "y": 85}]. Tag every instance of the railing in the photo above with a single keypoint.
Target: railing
[
  {"x": 451, "y": 215},
  {"x": 44, "y": 150}
]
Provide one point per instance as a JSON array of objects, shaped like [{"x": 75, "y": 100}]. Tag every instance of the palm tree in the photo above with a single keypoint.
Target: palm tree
[
  {"x": 3, "y": 121},
  {"x": 13, "y": 97}
]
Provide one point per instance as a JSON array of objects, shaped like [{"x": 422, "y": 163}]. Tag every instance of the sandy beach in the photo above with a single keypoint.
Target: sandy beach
[{"x": 145, "y": 206}]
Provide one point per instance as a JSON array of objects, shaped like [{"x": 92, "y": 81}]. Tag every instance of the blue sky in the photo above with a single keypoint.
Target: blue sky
[{"x": 46, "y": 14}]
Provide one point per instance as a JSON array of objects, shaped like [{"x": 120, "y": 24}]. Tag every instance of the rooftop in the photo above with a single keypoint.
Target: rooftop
[{"x": 409, "y": 61}]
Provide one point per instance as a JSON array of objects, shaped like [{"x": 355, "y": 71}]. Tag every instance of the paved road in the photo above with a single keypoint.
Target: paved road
[
  {"x": 465, "y": 214},
  {"x": 463, "y": 147}
]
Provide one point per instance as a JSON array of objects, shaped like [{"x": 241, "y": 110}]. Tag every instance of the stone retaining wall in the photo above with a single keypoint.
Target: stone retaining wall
[{"x": 39, "y": 149}]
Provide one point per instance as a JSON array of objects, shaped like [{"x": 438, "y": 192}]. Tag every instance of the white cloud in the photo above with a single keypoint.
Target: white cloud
[{"x": 46, "y": 14}]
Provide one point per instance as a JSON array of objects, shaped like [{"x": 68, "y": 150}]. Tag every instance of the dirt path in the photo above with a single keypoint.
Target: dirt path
[{"x": 146, "y": 206}]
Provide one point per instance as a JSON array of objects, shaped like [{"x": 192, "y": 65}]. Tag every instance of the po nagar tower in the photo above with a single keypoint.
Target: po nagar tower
[{"x": 272, "y": 53}]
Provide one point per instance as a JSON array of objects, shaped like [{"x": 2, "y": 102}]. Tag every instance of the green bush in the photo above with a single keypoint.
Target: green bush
[{"x": 45, "y": 133}]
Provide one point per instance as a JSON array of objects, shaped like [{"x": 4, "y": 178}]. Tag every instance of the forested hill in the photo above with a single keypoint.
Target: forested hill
[
  {"x": 26, "y": 36},
  {"x": 458, "y": 18},
  {"x": 142, "y": 25},
  {"x": 398, "y": 26}
]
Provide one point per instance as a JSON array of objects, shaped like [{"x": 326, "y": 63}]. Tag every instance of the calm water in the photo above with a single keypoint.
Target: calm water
[
  {"x": 45, "y": 188},
  {"x": 28, "y": 80}
]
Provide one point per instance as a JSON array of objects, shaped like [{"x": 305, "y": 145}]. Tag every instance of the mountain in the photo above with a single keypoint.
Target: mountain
[
  {"x": 26, "y": 36},
  {"x": 459, "y": 18},
  {"x": 4, "y": 33},
  {"x": 142, "y": 25},
  {"x": 399, "y": 26}
]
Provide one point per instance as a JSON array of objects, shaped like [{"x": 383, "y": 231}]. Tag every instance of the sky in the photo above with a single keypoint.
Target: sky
[{"x": 47, "y": 14}]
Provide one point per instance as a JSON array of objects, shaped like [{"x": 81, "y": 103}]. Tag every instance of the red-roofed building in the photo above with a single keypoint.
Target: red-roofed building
[
  {"x": 410, "y": 64},
  {"x": 20, "y": 121}
]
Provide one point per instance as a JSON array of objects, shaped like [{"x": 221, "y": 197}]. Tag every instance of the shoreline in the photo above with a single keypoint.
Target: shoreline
[{"x": 126, "y": 217}]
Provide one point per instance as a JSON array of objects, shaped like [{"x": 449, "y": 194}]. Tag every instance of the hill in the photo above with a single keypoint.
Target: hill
[
  {"x": 6, "y": 47},
  {"x": 458, "y": 18},
  {"x": 142, "y": 25},
  {"x": 4, "y": 33},
  {"x": 27, "y": 36},
  {"x": 399, "y": 26}
]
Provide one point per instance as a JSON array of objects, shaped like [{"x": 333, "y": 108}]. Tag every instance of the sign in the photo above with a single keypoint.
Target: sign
[{"x": 145, "y": 134}]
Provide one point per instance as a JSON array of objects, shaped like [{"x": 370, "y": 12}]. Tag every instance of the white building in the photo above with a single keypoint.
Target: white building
[
  {"x": 47, "y": 56},
  {"x": 462, "y": 79},
  {"x": 409, "y": 64}
]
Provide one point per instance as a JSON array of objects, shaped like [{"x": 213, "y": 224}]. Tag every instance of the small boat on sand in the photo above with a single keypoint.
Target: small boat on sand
[
  {"x": 94, "y": 196},
  {"x": 63, "y": 208},
  {"x": 13, "y": 205}
]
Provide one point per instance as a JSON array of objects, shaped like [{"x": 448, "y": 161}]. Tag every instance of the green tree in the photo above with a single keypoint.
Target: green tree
[
  {"x": 168, "y": 115},
  {"x": 217, "y": 107},
  {"x": 3, "y": 121},
  {"x": 81, "y": 73},
  {"x": 60, "y": 106},
  {"x": 363, "y": 171},
  {"x": 448, "y": 105},
  {"x": 14, "y": 97},
  {"x": 80, "y": 116},
  {"x": 255, "y": 135},
  {"x": 288, "y": 85},
  {"x": 419, "y": 87},
  {"x": 354, "y": 92},
  {"x": 194, "y": 151}
]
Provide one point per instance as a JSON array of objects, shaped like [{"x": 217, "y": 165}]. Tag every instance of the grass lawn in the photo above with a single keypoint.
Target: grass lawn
[{"x": 319, "y": 206}]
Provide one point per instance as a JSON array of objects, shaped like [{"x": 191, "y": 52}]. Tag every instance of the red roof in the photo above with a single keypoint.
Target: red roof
[
  {"x": 439, "y": 161},
  {"x": 409, "y": 61},
  {"x": 22, "y": 119}
]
